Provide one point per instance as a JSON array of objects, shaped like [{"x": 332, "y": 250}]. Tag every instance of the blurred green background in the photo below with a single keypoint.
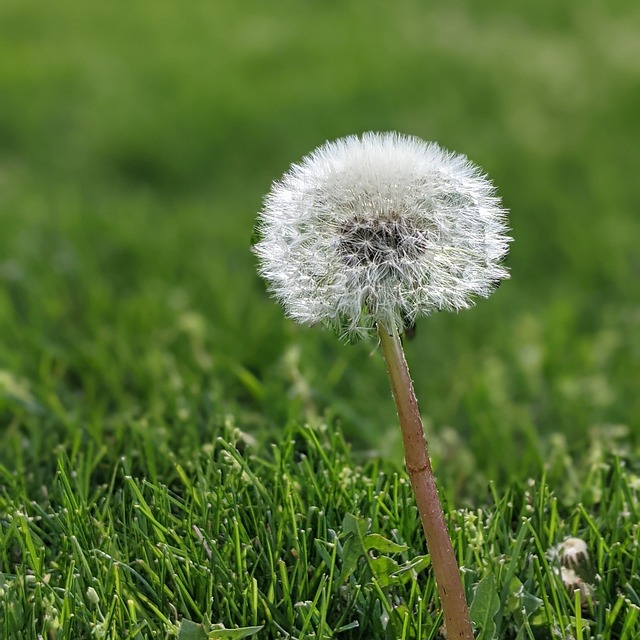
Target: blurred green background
[{"x": 137, "y": 140}]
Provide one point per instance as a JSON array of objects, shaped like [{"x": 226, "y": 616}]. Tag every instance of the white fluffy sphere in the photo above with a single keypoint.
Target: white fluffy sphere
[{"x": 380, "y": 228}]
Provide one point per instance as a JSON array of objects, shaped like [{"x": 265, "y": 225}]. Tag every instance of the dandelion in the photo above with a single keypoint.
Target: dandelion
[
  {"x": 573, "y": 551},
  {"x": 574, "y": 583},
  {"x": 368, "y": 233}
]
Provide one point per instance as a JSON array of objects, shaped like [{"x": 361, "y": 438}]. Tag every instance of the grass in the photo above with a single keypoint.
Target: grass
[
  {"x": 301, "y": 540},
  {"x": 135, "y": 146}
]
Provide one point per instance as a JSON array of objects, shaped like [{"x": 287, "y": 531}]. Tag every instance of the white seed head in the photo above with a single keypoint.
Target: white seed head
[
  {"x": 380, "y": 228},
  {"x": 573, "y": 582},
  {"x": 573, "y": 551}
]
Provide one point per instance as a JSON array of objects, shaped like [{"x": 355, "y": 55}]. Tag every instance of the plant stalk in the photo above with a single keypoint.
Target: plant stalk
[{"x": 416, "y": 455}]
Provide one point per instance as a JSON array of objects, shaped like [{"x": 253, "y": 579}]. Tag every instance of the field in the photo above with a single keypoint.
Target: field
[{"x": 173, "y": 449}]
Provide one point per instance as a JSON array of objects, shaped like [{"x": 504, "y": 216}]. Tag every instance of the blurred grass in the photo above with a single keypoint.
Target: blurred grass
[{"x": 136, "y": 141}]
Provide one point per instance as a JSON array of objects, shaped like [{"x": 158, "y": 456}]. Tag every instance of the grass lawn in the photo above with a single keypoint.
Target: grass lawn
[{"x": 177, "y": 459}]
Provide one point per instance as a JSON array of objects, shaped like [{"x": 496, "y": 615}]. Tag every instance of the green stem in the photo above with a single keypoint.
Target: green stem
[{"x": 443, "y": 559}]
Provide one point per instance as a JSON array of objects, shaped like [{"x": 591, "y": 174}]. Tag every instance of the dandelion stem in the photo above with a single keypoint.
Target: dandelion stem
[{"x": 443, "y": 559}]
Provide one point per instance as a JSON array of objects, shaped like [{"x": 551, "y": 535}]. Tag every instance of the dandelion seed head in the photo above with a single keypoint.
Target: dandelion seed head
[
  {"x": 573, "y": 552},
  {"x": 381, "y": 228},
  {"x": 573, "y": 582}
]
